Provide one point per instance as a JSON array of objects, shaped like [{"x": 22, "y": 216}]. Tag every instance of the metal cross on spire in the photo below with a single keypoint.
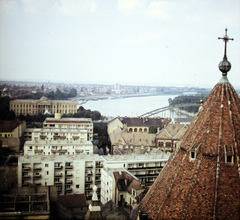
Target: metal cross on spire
[
  {"x": 225, "y": 39},
  {"x": 224, "y": 66}
]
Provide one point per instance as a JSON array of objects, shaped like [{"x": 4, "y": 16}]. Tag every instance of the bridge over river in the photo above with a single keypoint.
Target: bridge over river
[{"x": 176, "y": 108}]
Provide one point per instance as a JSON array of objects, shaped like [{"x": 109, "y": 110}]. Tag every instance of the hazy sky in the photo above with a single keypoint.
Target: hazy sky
[{"x": 147, "y": 42}]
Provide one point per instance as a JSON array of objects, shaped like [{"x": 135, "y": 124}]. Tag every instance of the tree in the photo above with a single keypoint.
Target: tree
[
  {"x": 73, "y": 93},
  {"x": 153, "y": 129}
]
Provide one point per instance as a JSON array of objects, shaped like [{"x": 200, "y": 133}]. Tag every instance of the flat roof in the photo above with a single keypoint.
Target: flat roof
[
  {"x": 59, "y": 158},
  {"x": 62, "y": 130},
  {"x": 128, "y": 158},
  {"x": 66, "y": 119},
  {"x": 56, "y": 143}
]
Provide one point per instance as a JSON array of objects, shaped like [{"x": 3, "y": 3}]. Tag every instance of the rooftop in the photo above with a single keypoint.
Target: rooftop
[
  {"x": 9, "y": 126},
  {"x": 144, "y": 158}
]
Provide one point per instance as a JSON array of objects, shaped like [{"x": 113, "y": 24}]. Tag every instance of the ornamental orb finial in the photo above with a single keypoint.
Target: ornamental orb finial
[{"x": 224, "y": 66}]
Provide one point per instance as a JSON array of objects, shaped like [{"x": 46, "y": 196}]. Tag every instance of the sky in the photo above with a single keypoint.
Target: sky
[{"x": 138, "y": 42}]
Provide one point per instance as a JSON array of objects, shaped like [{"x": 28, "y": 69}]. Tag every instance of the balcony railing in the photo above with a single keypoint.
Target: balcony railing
[
  {"x": 68, "y": 175},
  {"x": 69, "y": 167},
  {"x": 37, "y": 176},
  {"x": 68, "y": 182},
  {"x": 26, "y": 168},
  {"x": 58, "y": 175},
  {"x": 68, "y": 190},
  {"x": 26, "y": 177},
  {"x": 57, "y": 183},
  {"x": 37, "y": 168},
  {"x": 58, "y": 168}
]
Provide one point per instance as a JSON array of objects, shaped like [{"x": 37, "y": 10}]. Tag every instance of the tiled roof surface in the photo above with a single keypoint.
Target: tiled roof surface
[
  {"x": 206, "y": 187},
  {"x": 143, "y": 121},
  {"x": 172, "y": 131},
  {"x": 130, "y": 180},
  {"x": 121, "y": 137},
  {"x": 9, "y": 126}
]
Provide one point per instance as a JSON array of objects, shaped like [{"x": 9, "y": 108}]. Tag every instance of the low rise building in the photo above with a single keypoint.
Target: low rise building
[
  {"x": 169, "y": 136},
  {"x": 12, "y": 134},
  {"x": 124, "y": 142},
  {"x": 120, "y": 186},
  {"x": 136, "y": 124}
]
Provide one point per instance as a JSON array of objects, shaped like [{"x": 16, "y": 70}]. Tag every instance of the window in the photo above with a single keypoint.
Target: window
[
  {"x": 77, "y": 186},
  {"x": 46, "y": 172},
  {"x": 46, "y": 164},
  {"x": 30, "y": 147},
  {"x": 192, "y": 155},
  {"x": 229, "y": 159}
]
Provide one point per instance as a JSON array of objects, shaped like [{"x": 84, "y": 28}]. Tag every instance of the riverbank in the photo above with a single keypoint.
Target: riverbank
[
  {"x": 184, "y": 112},
  {"x": 85, "y": 99}
]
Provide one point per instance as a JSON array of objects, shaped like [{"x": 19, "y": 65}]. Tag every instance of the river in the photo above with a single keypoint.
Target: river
[{"x": 131, "y": 107}]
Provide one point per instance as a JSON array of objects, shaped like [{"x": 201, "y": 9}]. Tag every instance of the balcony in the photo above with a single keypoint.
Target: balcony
[
  {"x": 68, "y": 175},
  {"x": 26, "y": 177},
  {"x": 37, "y": 176},
  {"x": 68, "y": 190},
  {"x": 88, "y": 181},
  {"x": 88, "y": 189},
  {"x": 38, "y": 151},
  {"x": 37, "y": 168},
  {"x": 25, "y": 168},
  {"x": 57, "y": 183},
  {"x": 89, "y": 166},
  {"x": 89, "y": 174},
  {"x": 58, "y": 168},
  {"x": 69, "y": 182},
  {"x": 69, "y": 167},
  {"x": 59, "y": 190},
  {"x": 98, "y": 174},
  {"x": 58, "y": 175},
  {"x": 37, "y": 184}
]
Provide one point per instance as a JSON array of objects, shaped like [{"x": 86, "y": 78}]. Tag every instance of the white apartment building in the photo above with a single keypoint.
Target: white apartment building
[
  {"x": 144, "y": 167},
  {"x": 71, "y": 123},
  {"x": 57, "y": 141},
  {"x": 79, "y": 173},
  {"x": 71, "y": 174}
]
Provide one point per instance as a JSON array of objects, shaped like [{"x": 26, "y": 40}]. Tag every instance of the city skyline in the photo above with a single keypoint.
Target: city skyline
[{"x": 144, "y": 42}]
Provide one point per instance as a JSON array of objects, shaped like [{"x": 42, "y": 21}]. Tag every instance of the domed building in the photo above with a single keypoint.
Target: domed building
[{"x": 201, "y": 179}]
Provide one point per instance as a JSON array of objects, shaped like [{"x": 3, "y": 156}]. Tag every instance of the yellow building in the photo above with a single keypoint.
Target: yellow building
[{"x": 34, "y": 107}]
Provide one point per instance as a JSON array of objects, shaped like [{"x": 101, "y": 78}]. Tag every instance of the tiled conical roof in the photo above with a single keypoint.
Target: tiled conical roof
[{"x": 201, "y": 179}]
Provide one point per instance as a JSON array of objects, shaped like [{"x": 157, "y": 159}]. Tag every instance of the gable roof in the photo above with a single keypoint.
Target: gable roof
[{"x": 172, "y": 131}]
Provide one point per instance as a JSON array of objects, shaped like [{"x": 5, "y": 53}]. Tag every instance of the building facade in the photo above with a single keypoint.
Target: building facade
[
  {"x": 34, "y": 107},
  {"x": 68, "y": 173},
  {"x": 168, "y": 137},
  {"x": 12, "y": 134}
]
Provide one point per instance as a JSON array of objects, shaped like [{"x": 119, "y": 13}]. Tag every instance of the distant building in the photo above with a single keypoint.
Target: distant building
[
  {"x": 12, "y": 134},
  {"x": 136, "y": 124},
  {"x": 123, "y": 142},
  {"x": 34, "y": 107}
]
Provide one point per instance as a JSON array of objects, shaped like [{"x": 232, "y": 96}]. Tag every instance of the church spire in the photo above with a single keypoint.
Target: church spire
[{"x": 224, "y": 66}]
